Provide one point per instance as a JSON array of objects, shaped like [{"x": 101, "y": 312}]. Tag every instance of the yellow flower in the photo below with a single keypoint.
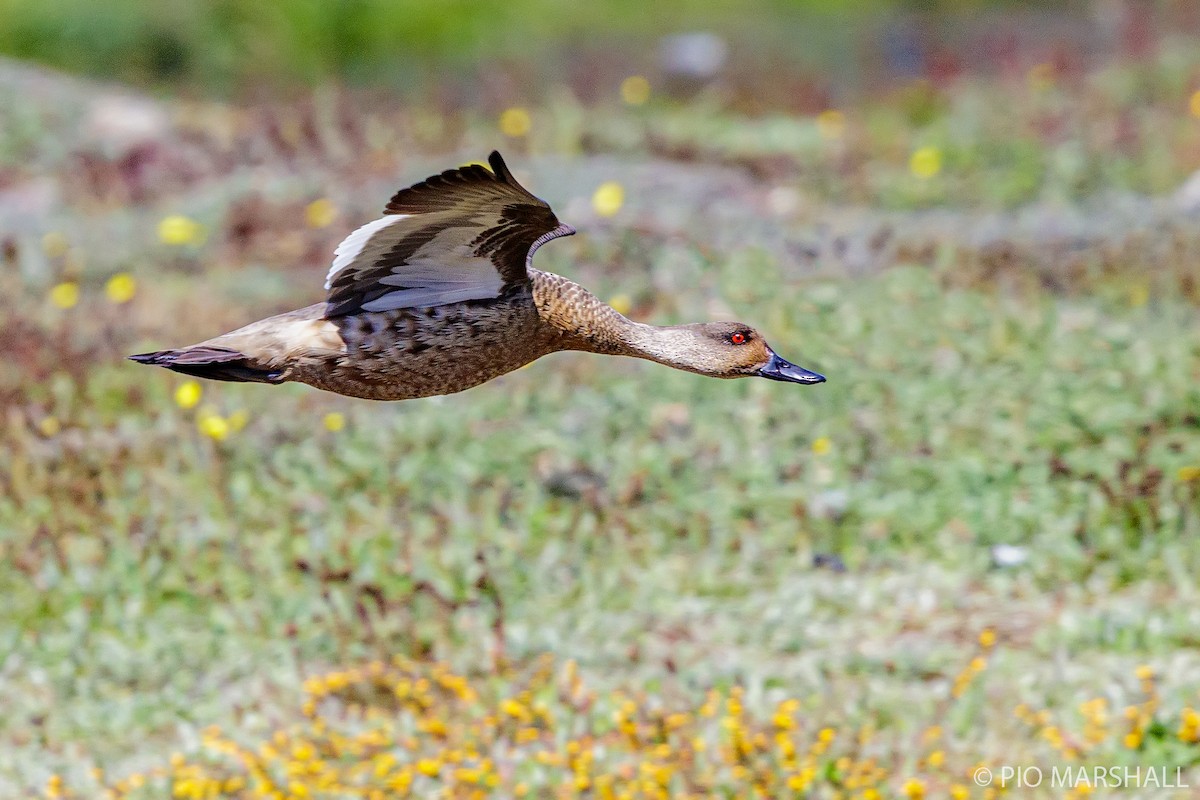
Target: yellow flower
[
  {"x": 621, "y": 303},
  {"x": 320, "y": 213},
  {"x": 179, "y": 230},
  {"x": 925, "y": 162},
  {"x": 959, "y": 792},
  {"x": 188, "y": 394},
  {"x": 987, "y": 638},
  {"x": 120, "y": 288},
  {"x": 1188, "y": 474},
  {"x": 797, "y": 783},
  {"x": 608, "y": 198},
  {"x": 635, "y": 90},
  {"x": 514, "y": 709},
  {"x": 822, "y": 446},
  {"x": 49, "y": 426},
  {"x": 831, "y": 124},
  {"x": 913, "y": 788},
  {"x": 937, "y": 758},
  {"x": 515, "y": 122},
  {"x": 214, "y": 426},
  {"x": 334, "y": 421},
  {"x": 1133, "y": 740},
  {"x": 428, "y": 766},
  {"x": 1194, "y": 104},
  {"x": 65, "y": 295},
  {"x": 1145, "y": 672}
]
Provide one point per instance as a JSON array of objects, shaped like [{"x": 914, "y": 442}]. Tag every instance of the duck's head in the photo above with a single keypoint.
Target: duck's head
[{"x": 735, "y": 350}]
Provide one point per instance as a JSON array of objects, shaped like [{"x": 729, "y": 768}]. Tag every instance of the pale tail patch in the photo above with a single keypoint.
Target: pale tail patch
[{"x": 319, "y": 335}]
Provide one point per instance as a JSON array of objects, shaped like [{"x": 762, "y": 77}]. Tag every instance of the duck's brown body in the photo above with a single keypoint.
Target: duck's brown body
[
  {"x": 408, "y": 353},
  {"x": 418, "y": 352},
  {"x": 440, "y": 297}
]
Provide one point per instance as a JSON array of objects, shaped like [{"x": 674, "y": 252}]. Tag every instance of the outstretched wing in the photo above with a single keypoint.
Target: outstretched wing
[{"x": 466, "y": 234}]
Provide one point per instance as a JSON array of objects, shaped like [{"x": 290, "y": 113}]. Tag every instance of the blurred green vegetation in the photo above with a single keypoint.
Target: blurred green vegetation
[
  {"x": 984, "y": 525},
  {"x": 219, "y": 43},
  {"x": 225, "y": 45},
  {"x": 665, "y": 531}
]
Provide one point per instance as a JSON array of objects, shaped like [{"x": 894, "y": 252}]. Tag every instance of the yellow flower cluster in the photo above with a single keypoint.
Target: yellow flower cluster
[
  {"x": 966, "y": 677},
  {"x": 412, "y": 729},
  {"x": 1141, "y": 716},
  {"x": 1098, "y": 730},
  {"x": 208, "y": 421},
  {"x": 976, "y": 666},
  {"x": 1189, "y": 726}
]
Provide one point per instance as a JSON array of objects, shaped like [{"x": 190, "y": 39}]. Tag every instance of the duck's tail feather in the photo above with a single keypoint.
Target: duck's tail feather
[{"x": 215, "y": 363}]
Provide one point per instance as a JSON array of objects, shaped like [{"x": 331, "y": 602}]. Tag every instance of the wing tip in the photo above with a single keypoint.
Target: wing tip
[{"x": 499, "y": 168}]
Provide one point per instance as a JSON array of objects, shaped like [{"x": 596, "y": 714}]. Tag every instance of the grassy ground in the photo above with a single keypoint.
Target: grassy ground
[{"x": 598, "y": 577}]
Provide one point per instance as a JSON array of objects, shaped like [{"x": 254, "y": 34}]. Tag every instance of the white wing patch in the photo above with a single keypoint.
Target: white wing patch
[
  {"x": 444, "y": 270},
  {"x": 354, "y": 247}
]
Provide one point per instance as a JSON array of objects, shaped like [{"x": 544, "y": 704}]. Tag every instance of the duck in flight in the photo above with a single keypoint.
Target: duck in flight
[{"x": 439, "y": 295}]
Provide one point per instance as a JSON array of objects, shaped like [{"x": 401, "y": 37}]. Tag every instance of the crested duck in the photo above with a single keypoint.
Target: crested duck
[{"x": 439, "y": 295}]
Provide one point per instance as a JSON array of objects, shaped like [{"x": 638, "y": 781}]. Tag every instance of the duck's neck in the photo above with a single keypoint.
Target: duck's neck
[{"x": 592, "y": 325}]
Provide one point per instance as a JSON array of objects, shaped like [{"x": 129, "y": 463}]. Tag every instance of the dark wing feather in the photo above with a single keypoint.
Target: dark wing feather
[{"x": 464, "y": 234}]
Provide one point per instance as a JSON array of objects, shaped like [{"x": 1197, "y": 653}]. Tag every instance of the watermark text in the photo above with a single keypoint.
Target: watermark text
[{"x": 1096, "y": 777}]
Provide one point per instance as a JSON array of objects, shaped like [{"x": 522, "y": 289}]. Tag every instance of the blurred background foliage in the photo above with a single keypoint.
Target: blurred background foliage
[
  {"x": 218, "y": 45},
  {"x": 598, "y": 577},
  {"x": 227, "y": 46}
]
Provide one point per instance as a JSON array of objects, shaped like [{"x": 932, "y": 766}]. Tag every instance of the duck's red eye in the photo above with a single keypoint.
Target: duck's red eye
[{"x": 738, "y": 338}]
